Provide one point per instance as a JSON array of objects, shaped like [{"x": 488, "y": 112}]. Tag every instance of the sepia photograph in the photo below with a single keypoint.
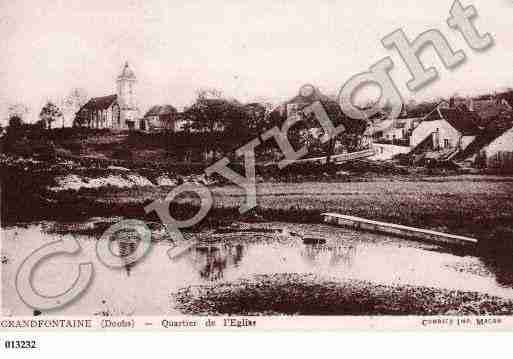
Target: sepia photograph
[{"x": 256, "y": 164}]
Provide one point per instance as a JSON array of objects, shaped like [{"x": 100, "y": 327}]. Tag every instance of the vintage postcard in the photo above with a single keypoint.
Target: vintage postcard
[{"x": 256, "y": 165}]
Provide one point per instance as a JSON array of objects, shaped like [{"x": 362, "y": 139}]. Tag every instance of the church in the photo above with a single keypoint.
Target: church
[{"x": 115, "y": 112}]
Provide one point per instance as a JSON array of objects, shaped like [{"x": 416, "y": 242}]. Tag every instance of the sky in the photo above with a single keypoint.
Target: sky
[{"x": 251, "y": 50}]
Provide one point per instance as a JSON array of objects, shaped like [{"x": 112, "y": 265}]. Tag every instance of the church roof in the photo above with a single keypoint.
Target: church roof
[
  {"x": 127, "y": 72},
  {"x": 99, "y": 103}
]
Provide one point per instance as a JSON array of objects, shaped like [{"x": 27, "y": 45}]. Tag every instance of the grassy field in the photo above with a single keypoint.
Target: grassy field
[{"x": 477, "y": 206}]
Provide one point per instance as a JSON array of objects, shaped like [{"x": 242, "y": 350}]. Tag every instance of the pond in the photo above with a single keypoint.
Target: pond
[{"x": 242, "y": 253}]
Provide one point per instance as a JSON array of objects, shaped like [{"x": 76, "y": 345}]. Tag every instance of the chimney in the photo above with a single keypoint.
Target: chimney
[{"x": 451, "y": 102}]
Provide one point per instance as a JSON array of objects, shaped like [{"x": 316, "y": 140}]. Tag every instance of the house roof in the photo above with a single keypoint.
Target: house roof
[
  {"x": 418, "y": 110},
  {"x": 161, "y": 110},
  {"x": 495, "y": 129},
  {"x": 508, "y": 96},
  {"x": 331, "y": 106},
  {"x": 99, "y": 103},
  {"x": 488, "y": 110},
  {"x": 465, "y": 122},
  {"x": 422, "y": 146},
  {"x": 485, "y": 97},
  {"x": 380, "y": 127}
]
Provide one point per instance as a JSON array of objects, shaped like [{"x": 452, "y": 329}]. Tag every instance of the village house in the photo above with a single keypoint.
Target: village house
[
  {"x": 115, "y": 112},
  {"x": 309, "y": 128},
  {"x": 395, "y": 131},
  {"x": 488, "y": 107},
  {"x": 386, "y": 151},
  {"x": 161, "y": 117},
  {"x": 483, "y": 147},
  {"x": 446, "y": 128},
  {"x": 391, "y": 137},
  {"x": 308, "y": 95},
  {"x": 498, "y": 154}
]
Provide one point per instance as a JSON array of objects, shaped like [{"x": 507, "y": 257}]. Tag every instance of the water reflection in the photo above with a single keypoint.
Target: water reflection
[
  {"x": 127, "y": 243},
  {"x": 389, "y": 262},
  {"x": 318, "y": 250},
  {"x": 211, "y": 260},
  {"x": 336, "y": 254}
]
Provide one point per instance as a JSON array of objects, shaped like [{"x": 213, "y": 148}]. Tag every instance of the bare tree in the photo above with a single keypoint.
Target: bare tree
[
  {"x": 70, "y": 105},
  {"x": 49, "y": 114},
  {"x": 18, "y": 110}
]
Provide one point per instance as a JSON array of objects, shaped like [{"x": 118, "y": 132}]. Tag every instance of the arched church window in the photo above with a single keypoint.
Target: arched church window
[{"x": 116, "y": 114}]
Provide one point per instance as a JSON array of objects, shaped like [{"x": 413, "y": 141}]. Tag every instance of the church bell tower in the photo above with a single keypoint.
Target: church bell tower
[{"x": 126, "y": 82}]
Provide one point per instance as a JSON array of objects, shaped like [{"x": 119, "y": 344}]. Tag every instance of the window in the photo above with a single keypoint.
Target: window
[
  {"x": 116, "y": 115},
  {"x": 292, "y": 109},
  {"x": 447, "y": 144}
]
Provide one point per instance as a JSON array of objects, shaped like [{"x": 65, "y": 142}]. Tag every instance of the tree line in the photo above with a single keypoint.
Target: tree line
[{"x": 218, "y": 125}]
